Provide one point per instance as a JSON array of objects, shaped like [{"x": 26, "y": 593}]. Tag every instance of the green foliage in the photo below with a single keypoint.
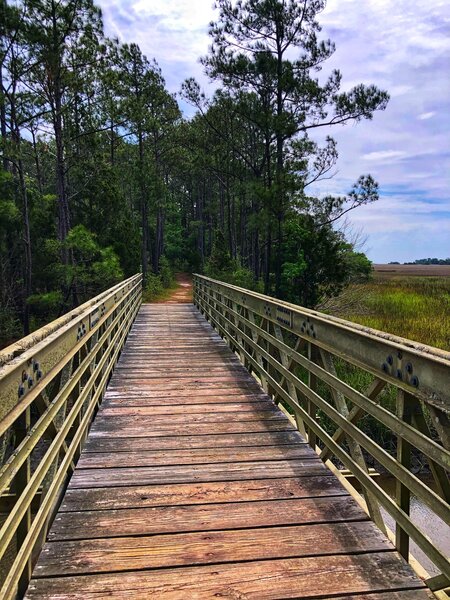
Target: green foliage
[
  {"x": 153, "y": 289},
  {"x": 9, "y": 212},
  {"x": 159, "y": 284},
  {"x": 45, "y": 304},
  {"x": 93, "y": 267},
  {"x": 165, "y": 273},
  {"x": 10, "y": 326},
  {"x": 219, "y": 264},
  {"x": 358, "y": 266}
]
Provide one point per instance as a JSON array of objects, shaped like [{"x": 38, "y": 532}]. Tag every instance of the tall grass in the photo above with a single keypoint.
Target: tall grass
[{"x": 416, "y": 308}]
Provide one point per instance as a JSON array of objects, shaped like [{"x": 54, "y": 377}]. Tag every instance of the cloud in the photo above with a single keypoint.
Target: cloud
[
  {"x": 403, "y": 47},
  {"x": 382, "y": 155},
  {"x": 425, "y": 116}
]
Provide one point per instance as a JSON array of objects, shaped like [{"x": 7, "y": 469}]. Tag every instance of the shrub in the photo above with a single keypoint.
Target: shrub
[
  {"x": 43, "y": 305},
  {"x": 153, "y": 287},
  {"x": 166, "y": 273}
]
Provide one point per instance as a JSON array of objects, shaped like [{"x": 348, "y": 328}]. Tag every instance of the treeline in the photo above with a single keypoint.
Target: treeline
[
  {"x": 102, "y": 176},
  {"x": 429, "y": 261}
]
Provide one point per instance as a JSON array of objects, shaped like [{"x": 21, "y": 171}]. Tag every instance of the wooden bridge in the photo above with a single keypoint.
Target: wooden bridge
[{"x": 192, "y": 480}]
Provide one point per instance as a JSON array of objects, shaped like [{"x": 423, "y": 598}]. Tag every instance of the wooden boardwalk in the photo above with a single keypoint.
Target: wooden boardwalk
[{"x": 193, "y": 484}]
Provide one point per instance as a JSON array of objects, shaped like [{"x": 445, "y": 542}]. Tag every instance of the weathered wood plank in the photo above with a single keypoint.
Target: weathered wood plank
[
  {"x": 136, "y": 429},
  {"x": 203, "y": 517},
  {"x": 259, "y": 580},
  {"x": 87, "y": 478},
  {"x": 192, "y": 381},
  {"x": 180, "y": 442},
  {"x": 237, "y": 408},
  {"x": 150, "y": 421},
  {"x": 202, "y": 456},
  {"x": 185, "y": 396},
  {"x": 160, "y": 385},
  {"x": 141, "y": 496},
  {"x": 134, "y": 553},
  {"x": 180, "y": 399},
  {"x": 402, "y": 595}
]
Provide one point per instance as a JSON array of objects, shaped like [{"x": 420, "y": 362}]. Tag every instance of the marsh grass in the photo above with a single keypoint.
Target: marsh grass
[{"x": 412, "y": 307}]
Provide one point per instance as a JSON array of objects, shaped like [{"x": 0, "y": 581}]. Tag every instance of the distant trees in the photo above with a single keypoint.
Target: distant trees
[
  {"x": 101, "y": 176},
  {"x": 429, "y": 261}
]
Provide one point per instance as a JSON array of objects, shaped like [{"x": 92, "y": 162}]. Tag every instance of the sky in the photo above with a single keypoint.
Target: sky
[{"x": 402, "y": 46}]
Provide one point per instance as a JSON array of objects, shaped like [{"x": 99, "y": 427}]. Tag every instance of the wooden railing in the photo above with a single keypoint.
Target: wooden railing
[
  {"x": 333, "y": 376},
  {"x": 51, "y": 384}
]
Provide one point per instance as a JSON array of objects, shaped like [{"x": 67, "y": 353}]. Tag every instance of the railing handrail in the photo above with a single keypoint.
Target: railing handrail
[
  {"x": 292, "y": 351},
  {"x": 50, "y": 391},
  {"x": 435, "y": 356},
  {"x": 18, "y": 347}
]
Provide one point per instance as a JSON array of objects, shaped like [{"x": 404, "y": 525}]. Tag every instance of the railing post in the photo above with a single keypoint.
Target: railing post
[
  {"x": 20, "y": 483},
  {"x": 402, "y": 493},
  {"x": 312, "y": 384}
]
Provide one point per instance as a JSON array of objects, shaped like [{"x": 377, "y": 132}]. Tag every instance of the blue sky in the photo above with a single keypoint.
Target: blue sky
[{"x": 402, "y": 46}]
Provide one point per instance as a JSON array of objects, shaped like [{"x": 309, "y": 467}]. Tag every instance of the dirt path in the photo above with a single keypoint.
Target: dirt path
[{"x": 183, "y": 293}]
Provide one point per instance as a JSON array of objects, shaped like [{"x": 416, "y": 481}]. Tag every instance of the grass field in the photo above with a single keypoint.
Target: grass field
[{"x": 412, "y": 301}]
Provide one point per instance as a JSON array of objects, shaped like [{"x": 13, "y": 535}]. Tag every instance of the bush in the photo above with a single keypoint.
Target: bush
[
  {"x": 43, "y": 305},
  {"x": 153, "y": 287},
  {"x": 10, "y": 327},
  {"x": 166, "y": 273}
]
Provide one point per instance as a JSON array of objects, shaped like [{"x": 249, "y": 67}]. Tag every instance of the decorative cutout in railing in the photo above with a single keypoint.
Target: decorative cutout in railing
[
  {"x": 51, "y": 384},
  {"x": 329, "y": 374}
]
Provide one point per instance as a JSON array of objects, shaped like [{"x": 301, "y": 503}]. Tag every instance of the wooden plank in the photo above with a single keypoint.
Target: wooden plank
[
  {"x": 183, "y": 385},
  {"x": 148, "y": 421},
  {"x": 184, "y": 396},
  {"x": 240, "y": 408},
  {"x": 180, "y": 372},
  {"x": 103, "y": 429},
  {"x": 88, "y": 478},
  {"x": 227, "y": 440},
  {"x": 203, "y": 517},
  {"x": 403, "y": 595},
  {"x": 138, "y": 458},
  {"x": 314, "y": 577},
  {"x": 136, "y": 553},
  {"x": 180, "y": 398},
  {"x": 215, "y": 492},
  {"x": 186, "y": 383}
]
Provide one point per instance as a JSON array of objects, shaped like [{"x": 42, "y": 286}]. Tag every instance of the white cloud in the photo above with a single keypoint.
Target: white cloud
[
  {"x": 426, "y": 115},
  {"x": 383, "y": 155}
]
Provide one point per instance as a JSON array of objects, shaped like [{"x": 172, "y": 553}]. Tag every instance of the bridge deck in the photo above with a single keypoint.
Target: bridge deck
[{"x": 193, "y": 484}]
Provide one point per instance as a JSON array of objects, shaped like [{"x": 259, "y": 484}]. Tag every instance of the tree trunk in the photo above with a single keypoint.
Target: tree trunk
[
  {"x": 37, "y": 162},
  {"x": 144, "y": 211},
  {"x": 279, "y": 173},
  {"x": 3, "y": 117}
]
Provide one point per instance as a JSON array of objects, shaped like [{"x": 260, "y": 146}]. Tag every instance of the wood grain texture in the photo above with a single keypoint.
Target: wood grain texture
[
  {"x": 140, "y": 496},
  {"x": 194, "y": 485},
  {"x": 89, "y": 478},
  {"x": 117, "y": 443},
  {"x": 140, "y": 458},
  {"x": 239, "y": 408},
  {"x": 135, "y": 428},
  {"x": 257, "y": 580},
  {"x": 136, "y": 553},
  {"x": 204, "y": 517}
]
